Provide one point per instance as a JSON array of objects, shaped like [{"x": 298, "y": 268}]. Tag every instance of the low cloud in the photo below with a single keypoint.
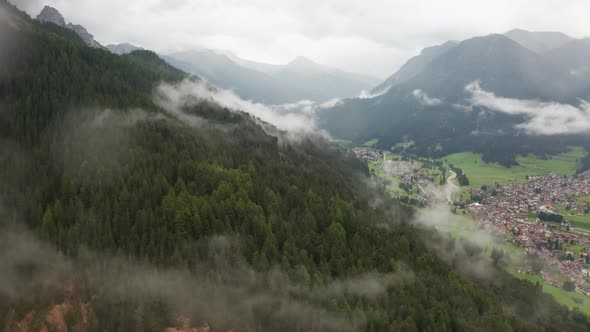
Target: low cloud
[
  {"x": 307, "y": 107},
  {"x": 543, "y": 118},
  {"x": 174, "y": 98},
  {"x": 366, "y": 94},
  {"x": 222, "y": 290},
  {"x": 462, "y": 245},
  {"x": 425, "y": 99},
  {"x": 369, "y": 285}
]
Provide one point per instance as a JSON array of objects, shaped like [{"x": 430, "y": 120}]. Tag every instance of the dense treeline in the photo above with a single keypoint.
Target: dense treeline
[
  {"x": 149, "y": 188},
  {"x": 461, "y": 177},
  {"x": 585, "y": 165},
  {"x": 546, "y": 216},
  {"x": 63, "y": 75}
]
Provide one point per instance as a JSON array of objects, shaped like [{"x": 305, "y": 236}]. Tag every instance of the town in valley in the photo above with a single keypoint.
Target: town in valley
[{"x": 547, "y": 216}]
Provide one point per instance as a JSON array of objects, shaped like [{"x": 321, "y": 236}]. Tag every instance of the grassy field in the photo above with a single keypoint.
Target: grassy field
[
  {"x": 342, "y": 142},
  {"x": 481, "y": 173},
  {"x": 579, "y": 221},
  {"x": 460, "y": 226},
  {"x": 393, "y": 189},
  {"x": 584, "y": 199},
  {"x": 371, "y": 143}
]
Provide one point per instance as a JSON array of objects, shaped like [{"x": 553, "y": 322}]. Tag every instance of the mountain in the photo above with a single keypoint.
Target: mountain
[
  {"x": 119, "y": 215},
  {"x": 316, "y": 82},
  {"x": 52, "y": 15},
  {"x": 539, "y": 42},
  {"x": 574, "y": 59},
  {"x": 266, "y": 68},
  {"x": 301, "y": 79},
  {"x": 502, "y": 65},
  {"x": 221, "y": 71},
  {"x": 429, "y": 109},
  {"x": 124, "y": 48},
  {"x": 414, "y": 66}
]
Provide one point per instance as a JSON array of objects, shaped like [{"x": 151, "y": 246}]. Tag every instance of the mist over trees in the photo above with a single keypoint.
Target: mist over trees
[{"x": 90, "y": 164}]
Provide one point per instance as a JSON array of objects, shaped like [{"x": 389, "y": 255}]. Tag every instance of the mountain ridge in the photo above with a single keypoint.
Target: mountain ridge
[{"x": 300, "y": 79}]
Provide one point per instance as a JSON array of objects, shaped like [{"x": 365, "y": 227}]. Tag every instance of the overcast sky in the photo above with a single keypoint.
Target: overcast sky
[{"x": 369, "y": 36}]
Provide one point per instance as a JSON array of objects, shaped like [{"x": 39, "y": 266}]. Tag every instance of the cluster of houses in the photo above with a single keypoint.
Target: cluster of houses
[
  {"x": 369, "y": 154},
  {"x": 512, "y": 211},
  {"x": 406, "y": 170}
]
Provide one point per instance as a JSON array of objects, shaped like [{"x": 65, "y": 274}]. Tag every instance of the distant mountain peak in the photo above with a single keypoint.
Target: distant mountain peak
[
  {"x": 51, "y": 15},
  {"x": 123, "y": 48},
  {"x": 414, "y": 66}
]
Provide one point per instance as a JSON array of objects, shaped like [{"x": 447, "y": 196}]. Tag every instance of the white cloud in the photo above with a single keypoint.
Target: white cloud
[
  {"x": 351, "y": 35},
  {"x": 366, "y": 94},
  {"x": 296, "y": 117},
  {"x": 543, "y": 118},
  {"x": 425, "y": 99}
]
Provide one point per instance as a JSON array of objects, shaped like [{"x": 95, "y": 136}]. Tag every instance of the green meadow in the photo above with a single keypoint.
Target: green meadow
[
  {"x": 371, "y": 143},
  {"x": 584, "y": 199},
  {"x": 393, "y": 188},
  {"x": 481, "y": 173}
]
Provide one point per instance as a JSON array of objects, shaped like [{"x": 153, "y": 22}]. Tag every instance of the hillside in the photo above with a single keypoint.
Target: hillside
[{"x": 127, "y": 205}]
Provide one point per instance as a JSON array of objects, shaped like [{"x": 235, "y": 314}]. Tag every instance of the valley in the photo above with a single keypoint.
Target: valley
[
  {"x": 511, "y": 205},
  {"x": 289, "y": 166}
]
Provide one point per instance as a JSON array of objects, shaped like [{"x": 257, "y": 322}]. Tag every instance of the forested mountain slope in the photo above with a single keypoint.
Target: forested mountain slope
[{"x": 94, "y": 166}]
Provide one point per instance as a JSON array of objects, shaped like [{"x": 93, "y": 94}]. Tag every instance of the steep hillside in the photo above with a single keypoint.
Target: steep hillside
[
  {"x": 414, "y": 66},
  {"x": 151, "y": 208}
]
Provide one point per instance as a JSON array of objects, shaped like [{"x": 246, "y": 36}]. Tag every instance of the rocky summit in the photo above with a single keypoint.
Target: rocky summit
[{"x": 51, "y": 15}]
